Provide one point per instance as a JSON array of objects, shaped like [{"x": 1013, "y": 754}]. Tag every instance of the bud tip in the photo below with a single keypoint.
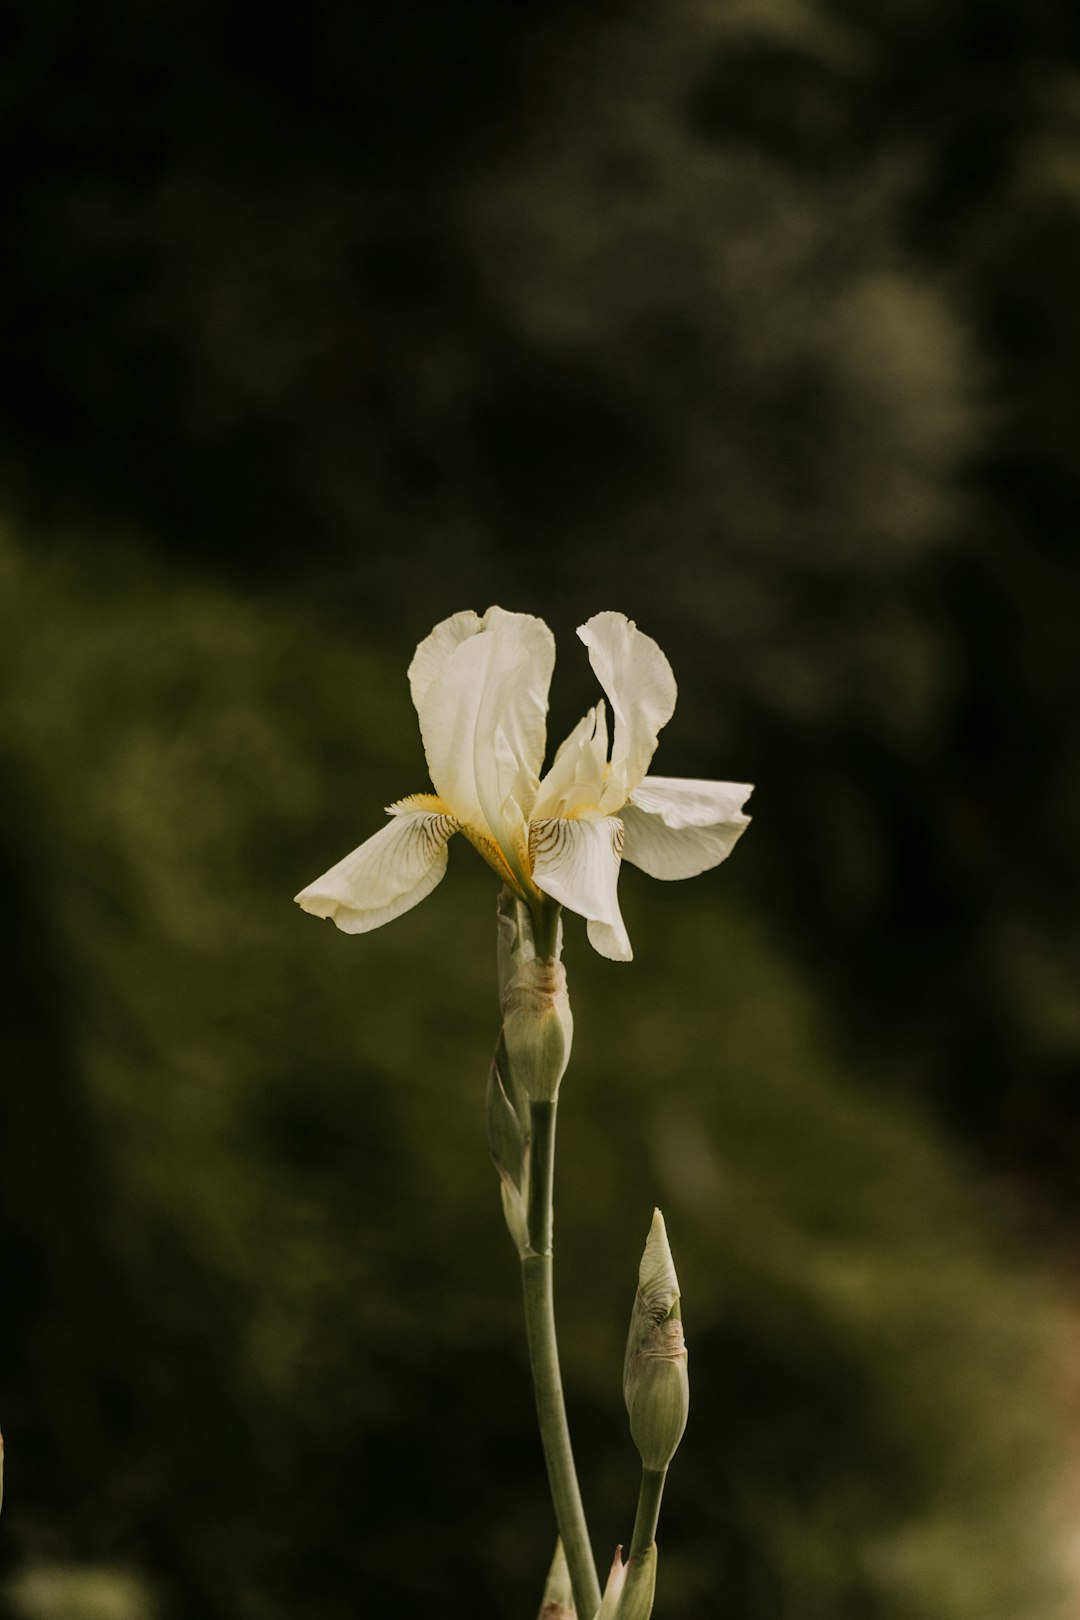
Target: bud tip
[{"x": 657, "y": 1279}]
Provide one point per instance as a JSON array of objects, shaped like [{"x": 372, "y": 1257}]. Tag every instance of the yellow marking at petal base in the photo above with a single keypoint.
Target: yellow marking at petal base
[
  {"x": 489, "y": 849},
  {"x": 428, "y": 802}
]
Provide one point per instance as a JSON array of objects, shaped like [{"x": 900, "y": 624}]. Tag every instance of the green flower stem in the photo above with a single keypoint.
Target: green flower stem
[
  {"x": 536, "y": 1277},
  {"x": 546, "y": 926},
  {"x": 648, "y": 1509}
]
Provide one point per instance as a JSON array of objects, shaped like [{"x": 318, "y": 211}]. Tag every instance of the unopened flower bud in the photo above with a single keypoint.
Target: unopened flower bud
[
  {"x": 538, "y": 1028},
  {"x": 656, "y": 1385}
]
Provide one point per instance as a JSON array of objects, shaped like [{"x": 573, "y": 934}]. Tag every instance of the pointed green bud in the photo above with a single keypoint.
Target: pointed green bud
[
  {"x": 656, "y": 1386},
  {"x": 558, "y": 1600},
  {"x": 538, "y": 1027}
]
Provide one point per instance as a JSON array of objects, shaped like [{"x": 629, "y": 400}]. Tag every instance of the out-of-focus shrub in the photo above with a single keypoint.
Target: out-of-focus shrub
[{"x": 260, "y": 1330}]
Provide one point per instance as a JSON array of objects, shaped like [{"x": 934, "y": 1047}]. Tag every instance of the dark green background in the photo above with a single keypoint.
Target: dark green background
[{"x": 758, "y": 323}]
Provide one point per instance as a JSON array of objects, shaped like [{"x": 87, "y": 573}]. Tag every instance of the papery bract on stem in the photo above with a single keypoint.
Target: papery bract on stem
[{"x": 630, "y": 1587}]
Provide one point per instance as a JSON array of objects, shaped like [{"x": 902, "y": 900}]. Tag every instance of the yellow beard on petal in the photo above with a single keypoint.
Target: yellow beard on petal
[
  {"x": 520, "y": 881},
  {"x": 422, "y": 801},
  {"x": 486, "y": 846}
]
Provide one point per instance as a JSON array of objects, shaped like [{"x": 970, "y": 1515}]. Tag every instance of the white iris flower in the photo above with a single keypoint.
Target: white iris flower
[{"x": 480, "y": 687}]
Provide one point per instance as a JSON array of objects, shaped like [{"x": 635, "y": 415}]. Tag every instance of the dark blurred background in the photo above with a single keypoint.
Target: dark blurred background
[{"x": 758, "y": 322}]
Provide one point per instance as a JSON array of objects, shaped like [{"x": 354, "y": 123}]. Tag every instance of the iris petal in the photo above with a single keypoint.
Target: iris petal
[
  {"x": 641, "y": 688},
  {"x": 388, "y": 874},
  {"x": 481, "y": 689},
  {"x": 677, "y": 827},
  {"x": 577, "y": 863},
  {"x": 576, "y": 779}
]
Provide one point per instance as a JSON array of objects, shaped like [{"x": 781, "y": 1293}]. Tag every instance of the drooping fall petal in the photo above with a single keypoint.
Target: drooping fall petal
[
  {"x": 390, "y": 873},
  {"x": 577, "y": 863},
  {"x": 676, "y": 827}
]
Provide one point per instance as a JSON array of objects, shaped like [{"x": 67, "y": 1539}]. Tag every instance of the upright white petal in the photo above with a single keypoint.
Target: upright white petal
[
  {"x": 641, "y": 687},
  {"x": 434, "y": 652},
  {"x": 677, "y": 827},
  {"x": 389, "y": 874},
  {"x": 578, "y": 771},
  {"x": 482, "y": 703},
  {"x": 516, "y": 704},
  {"x": 577, "y": 863}
]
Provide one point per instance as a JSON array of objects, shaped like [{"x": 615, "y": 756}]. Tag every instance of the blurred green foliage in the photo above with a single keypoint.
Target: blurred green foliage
[
  {"x": 80, "y": 1594},
  {"x": 262, "y": 1328},
  {"x": 757, "y": 322}
]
